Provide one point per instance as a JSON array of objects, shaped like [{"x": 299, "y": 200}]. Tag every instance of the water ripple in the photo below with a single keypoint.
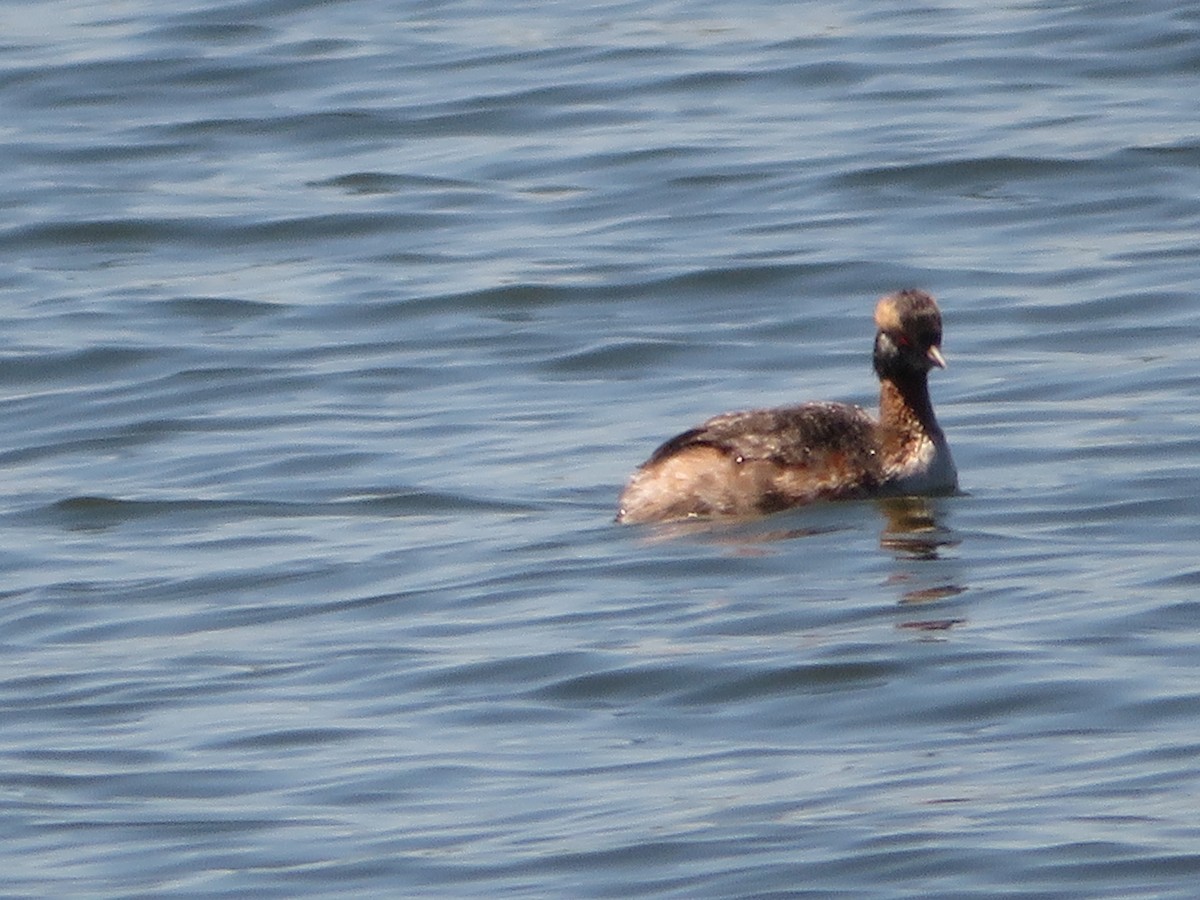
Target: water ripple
[{"x": 331, "y": 336}]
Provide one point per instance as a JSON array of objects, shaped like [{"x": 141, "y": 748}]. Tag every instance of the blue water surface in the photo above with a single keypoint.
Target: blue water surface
[{"x": 330, "y": 332}]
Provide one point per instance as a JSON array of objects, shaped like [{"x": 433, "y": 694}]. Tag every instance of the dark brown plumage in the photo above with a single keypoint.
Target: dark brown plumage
[{"x": 764, "y": 460}]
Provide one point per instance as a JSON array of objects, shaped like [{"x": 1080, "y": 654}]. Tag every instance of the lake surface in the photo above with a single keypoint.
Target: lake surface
[{"x": 330, "y": 332}]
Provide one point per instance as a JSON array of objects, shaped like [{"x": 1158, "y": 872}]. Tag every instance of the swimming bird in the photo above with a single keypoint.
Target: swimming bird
[{"x": 764, "y": 460}]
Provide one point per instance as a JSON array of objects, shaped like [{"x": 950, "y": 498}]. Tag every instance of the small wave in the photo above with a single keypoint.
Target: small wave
[{"x": 88, "y": 512}]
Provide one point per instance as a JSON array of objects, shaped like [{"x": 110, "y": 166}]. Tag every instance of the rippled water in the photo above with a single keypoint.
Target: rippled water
[{"x": 331, "y": 331}]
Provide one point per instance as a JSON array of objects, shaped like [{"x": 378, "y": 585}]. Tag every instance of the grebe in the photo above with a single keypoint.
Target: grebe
[{"x": 764, "y": 460}]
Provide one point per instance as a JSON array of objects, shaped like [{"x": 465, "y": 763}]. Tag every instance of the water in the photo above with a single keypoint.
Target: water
[{"x": 331, "y": 330}]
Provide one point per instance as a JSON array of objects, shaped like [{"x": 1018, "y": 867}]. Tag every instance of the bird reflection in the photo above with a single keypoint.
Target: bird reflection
[
  {"x": 912, "y": 529},
  {"x": 913, "y": 533}
]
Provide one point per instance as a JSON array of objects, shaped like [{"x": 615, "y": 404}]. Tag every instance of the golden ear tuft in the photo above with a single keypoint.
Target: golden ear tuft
[{"x": 887, "y": 316}]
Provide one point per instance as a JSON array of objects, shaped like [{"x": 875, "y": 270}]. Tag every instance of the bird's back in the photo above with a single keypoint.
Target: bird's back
[{"x": 757, "y": 461}]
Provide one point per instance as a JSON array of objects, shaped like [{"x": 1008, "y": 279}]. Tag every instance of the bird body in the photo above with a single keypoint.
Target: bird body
[{"x": 764, "y": 460}]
